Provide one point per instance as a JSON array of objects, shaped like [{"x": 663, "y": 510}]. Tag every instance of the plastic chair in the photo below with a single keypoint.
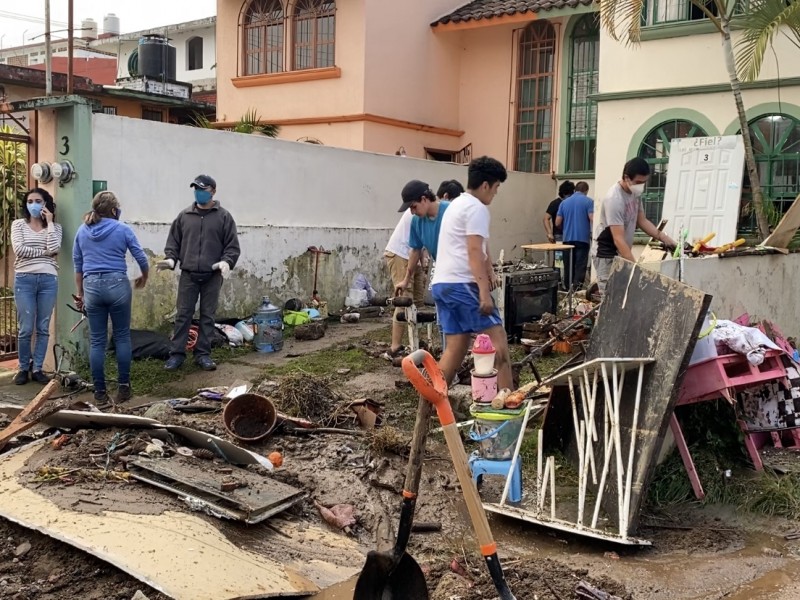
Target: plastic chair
[{"x": 482, "y": 466}]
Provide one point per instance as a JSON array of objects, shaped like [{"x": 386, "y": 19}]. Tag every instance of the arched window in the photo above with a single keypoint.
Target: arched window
[
  {"x": 314, "y": 34},
  {"x": 535, "y": 82},
  {"x": 263, "y": 37},
  {"x": 776, "y": 146},
  {"x": 655, "y": 150},
  {"x": 194, "y": 53},
  {"x": 583, "y": 82}
]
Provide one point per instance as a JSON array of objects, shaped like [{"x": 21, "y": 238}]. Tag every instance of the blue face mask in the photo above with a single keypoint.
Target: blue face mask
[
  {"x": 202, "y": 196},
  {"x": 119, "y": 214},
  {"x": 35, "y": 209}
]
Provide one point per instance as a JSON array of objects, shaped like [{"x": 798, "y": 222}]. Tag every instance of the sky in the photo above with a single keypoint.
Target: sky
[{"x": 134, "y": 15}]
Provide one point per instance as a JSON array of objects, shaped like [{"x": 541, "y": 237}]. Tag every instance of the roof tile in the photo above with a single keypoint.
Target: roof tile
[{"x": 486, "y": 9}]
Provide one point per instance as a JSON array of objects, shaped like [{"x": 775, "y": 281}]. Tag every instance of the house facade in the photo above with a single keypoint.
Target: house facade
[
  {"x": 195, "y": 54},
  {"x": 536, "y": 83}
]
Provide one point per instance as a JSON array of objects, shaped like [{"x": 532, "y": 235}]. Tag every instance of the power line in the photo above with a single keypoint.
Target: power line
[{"x": 31, "y": 19}]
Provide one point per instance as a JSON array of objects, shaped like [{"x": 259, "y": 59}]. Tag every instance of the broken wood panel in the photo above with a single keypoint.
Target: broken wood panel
[
  {"x": 258, "y": 500},
  {"x": 646, "y": 314},
  {"x": 782, "y": 236},
  {"x": 181, "y": 555},
  {"x": 29, "y": 416}
]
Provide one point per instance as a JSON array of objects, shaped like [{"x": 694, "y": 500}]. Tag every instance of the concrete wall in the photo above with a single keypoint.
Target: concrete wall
[
  {"x": 759, "y": 285},
  {"x": 285, "y": 197}
]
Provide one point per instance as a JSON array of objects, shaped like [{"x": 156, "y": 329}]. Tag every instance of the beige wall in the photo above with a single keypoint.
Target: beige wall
[
  {"x": 388, "y": 140},
  {"x": 679, "y": 61},
  {"x": 340, "y": 135},
  {"x": 622, "y": 124},
  {"x": 411, "y": 74},
  {"x": 341, "y": 96}
]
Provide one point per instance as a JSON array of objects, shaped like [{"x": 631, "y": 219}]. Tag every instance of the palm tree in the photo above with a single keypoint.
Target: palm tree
[
  {"x": 759, "y": 20},
  {"x": 250, "y": 122}
]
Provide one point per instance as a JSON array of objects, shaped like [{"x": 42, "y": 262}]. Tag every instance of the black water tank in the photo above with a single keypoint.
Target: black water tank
[{"x": 156, "y": 57}]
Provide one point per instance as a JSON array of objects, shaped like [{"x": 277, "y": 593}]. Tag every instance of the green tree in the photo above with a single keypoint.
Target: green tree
[
  {"x": 760, "y": 22},
  {"x": 13, "y": 181}
]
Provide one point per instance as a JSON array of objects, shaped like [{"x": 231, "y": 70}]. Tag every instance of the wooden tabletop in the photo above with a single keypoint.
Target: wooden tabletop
[{"x": 547, "y": 247}]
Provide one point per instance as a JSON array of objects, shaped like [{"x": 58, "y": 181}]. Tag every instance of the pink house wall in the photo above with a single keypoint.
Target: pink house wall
[{"x": 292, "y": 100}]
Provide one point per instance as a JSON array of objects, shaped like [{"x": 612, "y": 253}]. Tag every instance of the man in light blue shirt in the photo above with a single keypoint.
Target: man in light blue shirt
[
  {"x": 427, "y": 222},
  {"x": 575, "y": 218}
]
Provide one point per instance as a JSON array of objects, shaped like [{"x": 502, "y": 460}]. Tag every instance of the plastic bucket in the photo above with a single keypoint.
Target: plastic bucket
[
  {"x": 484, "y": 387},
  {"x": 496, "y": 434},
  {"x": 249, "y": 417}
]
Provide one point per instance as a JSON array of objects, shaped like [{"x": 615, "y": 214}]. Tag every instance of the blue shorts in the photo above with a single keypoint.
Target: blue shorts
[{"x": 458, "y": 307}]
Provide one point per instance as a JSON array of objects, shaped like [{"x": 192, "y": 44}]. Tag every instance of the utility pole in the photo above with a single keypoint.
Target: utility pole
[
  {"x": 70, "y": 43},
  {"x": 48, "y": 52}
]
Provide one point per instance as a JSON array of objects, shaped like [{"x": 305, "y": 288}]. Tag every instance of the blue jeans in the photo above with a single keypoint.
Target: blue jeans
[
  {"x": 108, "y": 295},
  {"x": 35, "y": 297}
]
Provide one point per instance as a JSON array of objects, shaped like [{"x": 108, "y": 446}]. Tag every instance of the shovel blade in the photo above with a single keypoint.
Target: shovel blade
[{"x": 383, "y": 578}]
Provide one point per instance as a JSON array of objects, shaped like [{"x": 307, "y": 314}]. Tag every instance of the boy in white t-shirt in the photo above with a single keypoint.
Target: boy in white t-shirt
[{"x": 464, "y": 276}]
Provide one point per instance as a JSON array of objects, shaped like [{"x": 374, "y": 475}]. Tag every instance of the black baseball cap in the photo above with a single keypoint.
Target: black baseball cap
[
  {"x": 204, "y": 182},
  {"x": 413, "y": 191}
]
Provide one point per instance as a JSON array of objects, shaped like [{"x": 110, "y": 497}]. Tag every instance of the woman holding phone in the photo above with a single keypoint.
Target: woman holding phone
[{"x": 36, "y": 240}]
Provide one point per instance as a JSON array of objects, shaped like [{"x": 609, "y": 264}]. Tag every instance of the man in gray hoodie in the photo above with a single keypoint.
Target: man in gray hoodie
[{"x": 204, "y": 240}]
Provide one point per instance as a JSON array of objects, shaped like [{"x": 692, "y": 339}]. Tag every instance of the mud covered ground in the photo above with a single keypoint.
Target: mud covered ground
[{"x": 698, "y": 552}]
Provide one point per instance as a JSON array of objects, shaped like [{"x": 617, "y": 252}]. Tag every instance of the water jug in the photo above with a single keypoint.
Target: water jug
[{"x": 268, "y": 327}]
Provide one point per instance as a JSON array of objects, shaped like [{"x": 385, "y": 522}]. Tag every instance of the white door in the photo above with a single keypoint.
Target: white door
[{"x": 704, "y": 187}]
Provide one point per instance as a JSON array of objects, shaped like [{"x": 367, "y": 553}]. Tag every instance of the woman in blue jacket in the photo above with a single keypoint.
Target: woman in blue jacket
[{"x": 103, "y": 288}]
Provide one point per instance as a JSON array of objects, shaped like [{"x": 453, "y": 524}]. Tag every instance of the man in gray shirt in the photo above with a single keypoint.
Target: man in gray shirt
[{"x": 620, "y": 213}]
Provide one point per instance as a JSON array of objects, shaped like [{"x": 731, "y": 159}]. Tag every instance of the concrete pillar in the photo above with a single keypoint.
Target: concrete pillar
[{"x": 65, "y": 134}]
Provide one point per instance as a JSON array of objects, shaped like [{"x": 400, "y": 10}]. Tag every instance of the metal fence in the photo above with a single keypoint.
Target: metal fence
[{"x": 14, "y": 145}]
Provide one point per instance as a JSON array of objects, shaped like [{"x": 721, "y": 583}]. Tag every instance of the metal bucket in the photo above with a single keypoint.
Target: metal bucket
[{"x": 249, "y": 417}]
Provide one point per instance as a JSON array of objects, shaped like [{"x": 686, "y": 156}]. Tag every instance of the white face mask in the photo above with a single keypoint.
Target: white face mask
[{"x": 637, "y": 189}]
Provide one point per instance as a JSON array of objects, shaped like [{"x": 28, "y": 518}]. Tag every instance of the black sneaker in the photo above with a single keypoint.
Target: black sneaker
[
  {"x": 124, "y": 393},
  {"x": 21, "y": 378},
  {"x": 39, "y": 377},
  {"x": 205, "y": 363},
  {"x": 101, "y": 399},
  {"x": 174, "y": 363}
]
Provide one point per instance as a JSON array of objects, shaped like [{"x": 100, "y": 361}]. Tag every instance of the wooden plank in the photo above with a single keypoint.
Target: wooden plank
[
  {"x": 782, "y": 236},
  {"x": 28, "y": 417},
  {"x": 650, "y": 254},
  {"x": 185, "y": 556}
]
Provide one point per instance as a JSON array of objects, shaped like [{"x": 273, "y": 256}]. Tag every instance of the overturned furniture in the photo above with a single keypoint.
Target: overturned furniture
[{"x": 608, "y": 417}]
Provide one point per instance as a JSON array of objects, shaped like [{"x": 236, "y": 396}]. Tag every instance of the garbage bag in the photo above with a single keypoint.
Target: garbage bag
[{"x": 360, "y": 282}]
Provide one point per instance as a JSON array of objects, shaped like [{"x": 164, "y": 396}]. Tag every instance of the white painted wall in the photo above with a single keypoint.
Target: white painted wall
[
  {"x": 759, "y": 285},
  {"x": 286, "y": 196}
]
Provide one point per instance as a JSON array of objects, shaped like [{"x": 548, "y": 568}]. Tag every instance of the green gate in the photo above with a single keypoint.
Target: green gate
[{"x": 14, "y": 145}]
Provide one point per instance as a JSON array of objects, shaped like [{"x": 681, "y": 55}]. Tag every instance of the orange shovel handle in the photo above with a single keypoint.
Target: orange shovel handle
[{"x": 433, "y": 390}]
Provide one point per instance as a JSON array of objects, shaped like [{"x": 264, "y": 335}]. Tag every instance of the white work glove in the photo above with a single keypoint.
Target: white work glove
[
  {"x": 223, "y": 267},
  {"x": 166, "y": 264}
]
